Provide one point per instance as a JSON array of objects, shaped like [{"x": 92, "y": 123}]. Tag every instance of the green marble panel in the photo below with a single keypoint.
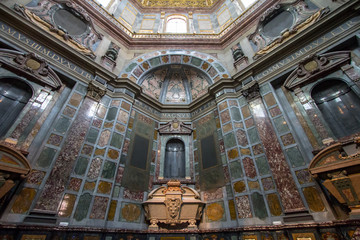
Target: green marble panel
[
  {"x": 259, "y": 205},
  {"x": 236, "y": 170},
  {"x": 265, "y": 88},
  {"x": 116, "y": 140},
  {"x": 242, "y": 101},
  {"x": 154, "y": 61},
  {"x": 235, "y": 113},
  {"x": 219, "y": 67},
  {"x": 82, "y": 207},
  {"x": 295, "y": 157},
  {"x": 196, "y": 61},
  {"x": 281, "y": 125},
  {"x": 116, "y": 192},
  {"x": 81, "y": 88},
  {"x": 108, "y": 170},
  {"x": 105, "y": 100},
  {"x": 46, "y": 157},
  {"x": 229, "y": 140},
  {"x": 223, "y": 159},
  {"x": 130, "y": 67},
  {"x": 262, "y": 165},
  {"x": 111, "y": 114},
  {"x": 229, "y": 192},
  {"x": 62, "y": 125},
  {"x": 253, "y": 135},
  {"x": 92, "y": 135},
  {"x": 81, "y": 165}
]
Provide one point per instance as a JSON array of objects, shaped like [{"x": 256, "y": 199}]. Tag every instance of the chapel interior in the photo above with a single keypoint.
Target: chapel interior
[{"x": 179, "y": 119}]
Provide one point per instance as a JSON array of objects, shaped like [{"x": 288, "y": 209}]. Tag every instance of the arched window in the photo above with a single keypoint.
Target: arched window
[
  {"x": 174, "y": 159},
  {"x": 14, "y": 95},
  {"x": 176, "y": 24},
  {"x": 339, "y": 105}
]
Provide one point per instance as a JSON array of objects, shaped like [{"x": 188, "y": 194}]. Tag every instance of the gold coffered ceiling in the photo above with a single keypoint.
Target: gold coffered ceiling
[{"x": 177, "y": 3}]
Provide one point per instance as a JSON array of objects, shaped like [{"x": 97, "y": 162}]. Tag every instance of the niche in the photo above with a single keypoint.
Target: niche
[{"x": 174, "y": 159}]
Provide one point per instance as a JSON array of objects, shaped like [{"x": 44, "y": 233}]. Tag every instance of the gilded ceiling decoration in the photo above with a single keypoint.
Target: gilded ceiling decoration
[{"x": 178, "y": 3}]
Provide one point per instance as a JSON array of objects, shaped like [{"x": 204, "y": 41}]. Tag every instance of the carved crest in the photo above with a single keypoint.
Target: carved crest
[
  {"x": 313, "y": 67},
  {"x": 51, "y": 15},
  {"x": 252, "y": 91},
  {"x": 173, "y": 206},
  {"x": 295, "y": 17},
  {"x": 175, "y": 127},
  {"x": 31, "y": 66}
]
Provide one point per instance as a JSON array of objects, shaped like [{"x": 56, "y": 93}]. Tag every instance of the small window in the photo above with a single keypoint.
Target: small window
[{"x": 176, "y": 24}]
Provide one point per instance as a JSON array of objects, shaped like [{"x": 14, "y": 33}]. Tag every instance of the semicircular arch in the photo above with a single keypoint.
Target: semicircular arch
[{"x": 143, "y": 64}]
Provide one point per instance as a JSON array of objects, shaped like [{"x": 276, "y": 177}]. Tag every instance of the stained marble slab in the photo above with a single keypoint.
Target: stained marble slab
[
  {"x": 94, "y": 170},
  {"x": 112, "y": 210},
  {"x": 99, "y": 207},
  {"x": 67, "y": 205},
  {"x": 243, "y": 207},
  {"x": 259, "y": 205},
  {"x": 23, "y": 201},
  {"x": 51, "y": 195},
  {"x": 215, "y": 212},
  {"x": 289, "y": 194},
  {"x": 249, "y": 167},
  {"x": 216, "y": 194},
  {"x": 274, "y": 204}
]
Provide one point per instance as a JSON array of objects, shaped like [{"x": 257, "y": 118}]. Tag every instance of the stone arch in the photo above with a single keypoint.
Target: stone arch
[{"x": 206, "y": 63}]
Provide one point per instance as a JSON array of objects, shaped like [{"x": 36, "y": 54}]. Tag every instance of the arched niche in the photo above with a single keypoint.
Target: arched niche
[
  {"x": 339, "y": 106},
  {"x": 174, "y": 163},
  {"x": 14, "y": 95},
  {"x": 175, "y": 134}
]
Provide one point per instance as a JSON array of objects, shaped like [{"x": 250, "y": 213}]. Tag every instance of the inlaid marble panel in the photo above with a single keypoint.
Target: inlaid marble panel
[
  {"x": 113, "y": 154},
  {"x": 215, "y": 212},
  {"x": 269, "y": 99},
  {"x": 104, "y": 138},
  {"x": 287, "y": 139},
  {"x": 87, "y": 149},
  {"x": 69, "y": 111},
  {"x": 254, "y": 185},
  {"x": 126, "y": 106},
  {"x": 303, "y": 176},
  {"x": 111, "y": 114},
  {"x": 75, "y": 99},
  {"x": 92, "y": 135},
  {"x": 246, "y": 111},
  {"x": 239, "y": 186},
  {"x": 243, "y": 207},
  {"x": 104, "y": 187},
  {"x": 274, "y": 204},
  {"x": 295, "y": 157},
  {"x": 62, "y": 125},
  {"x": 133, "y": 195},
  {"x": 123, "y": 117},
  {"x": 95, "y": 166},
  {"x": 175, "y": 90},
  {"x": 116, "y": 140},
  {"x": 108, "y": 170},
  {"x": 259, "y": 205},
  {"x": 120, "y": 128},
  {"x": 223, "y": 106},
  {"x": 229, "y": 140},
  {"x": 216, "y": 194},
  {"x": 241, "y": 137},
  {"x": 81, "y": 166},
  {"x": 75, "y": 184},
  {"x": 257, "y": 149},
  {"x": 89, "y": 186},
  {"x": 199, "y": 84},
  {"x": 236, "y": 170},
  {"x": 275, "y": 111},
  {"x": 99, "y": 207},
  {"x": 233, "y": 153},
  {"x": 55, "y": 185},
  {"x": 313, "y": 199},
  {"x": 225, "y": 116},
  {"x": 268, "y": 183},
  {"x": 35, "y": 177},
  {"x": 112, "y": 210},
  {"x": 55, "y": 139},
  {"x": 232, "y": 210},
  {"x": 67, "y": 205},
  {"x": 101, "y": 111},
  {"x": 97, "y": 123},
  {"x": 227, "y": 127},
  {"x": 249, "y": 167},
  {"x": 262, "y": 165},
  {"x": 130, "y": 212},
  {"x": 23, "y": 201}
]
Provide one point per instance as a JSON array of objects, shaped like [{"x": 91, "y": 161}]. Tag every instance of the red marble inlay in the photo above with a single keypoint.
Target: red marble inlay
[
  {"x": 249, "y": 167},
  {"x": 289, "y": 194}
]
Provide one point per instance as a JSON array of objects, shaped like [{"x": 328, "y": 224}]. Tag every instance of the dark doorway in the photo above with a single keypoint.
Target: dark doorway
[{"x": 174, "y": 159}]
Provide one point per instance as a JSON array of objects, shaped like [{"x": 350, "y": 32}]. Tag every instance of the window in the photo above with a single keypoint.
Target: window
[
  {"x": 248, "y": 3},
  {"x": 176, "y": 24},
  {"x": 339, "y": 105}
]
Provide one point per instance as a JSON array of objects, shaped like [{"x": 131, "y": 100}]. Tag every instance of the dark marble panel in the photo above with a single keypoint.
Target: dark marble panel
[
  {"x": 35, "y": 177},
  {"x": 287, "y": 139},
  {"x": 303, "y": 176},
  {"x": 235, "y": 113},
  {"x": 62, "y": 125},
  {"x": 281, "y": 125},
  {"x": 23, "y": 200},
  {"x": 215, "y": 194},
  {"x": 236, "y": 170},
  {"x": 81, "y": 165},
  {"x": 46, "y": 157},
  {"x": 92, "y": 135},
  {"x": 229, "y": 140},
  {"x": 133, "y": 195},
  {"x": 116, "y": 140},
  {"x": 104, "y": 187},
  {"x": 275, "y": 111},
  {"x": 111, "y": 114},
  {"x": 82, "y": 207},
  {"x": 112, "y": 210},
  {"x": 253, "y": 135},
  {"x": 55, "y": 140},
  {"x": 108, "y": 170},
  {"x": 262, "y": 165},
  {"x": 257, "y": 149},
  {"x": 97, "y": 123},
  {"x": 259, "y": 205},
  {"x": 87, "y": 150},
  {"x": 295, "y": 157},
  {"x": 239, "y": 187},
  {"x": 75, "y": 184},
  {"x": 268, "y": 183}
]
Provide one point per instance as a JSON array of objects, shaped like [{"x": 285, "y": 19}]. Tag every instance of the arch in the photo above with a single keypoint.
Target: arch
[
  {"x": 14, "y": 95},
  {"x": 339, "y": 105},
  {"x": 174, "y": 166},
  {"x": 143, "y": 64}
]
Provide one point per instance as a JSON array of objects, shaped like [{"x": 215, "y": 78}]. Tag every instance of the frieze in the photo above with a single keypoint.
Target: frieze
[
  {"x": 175, "y": 127},
  {"x": 41, "y": 50},
  {"x": 310, "y": 47}
]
